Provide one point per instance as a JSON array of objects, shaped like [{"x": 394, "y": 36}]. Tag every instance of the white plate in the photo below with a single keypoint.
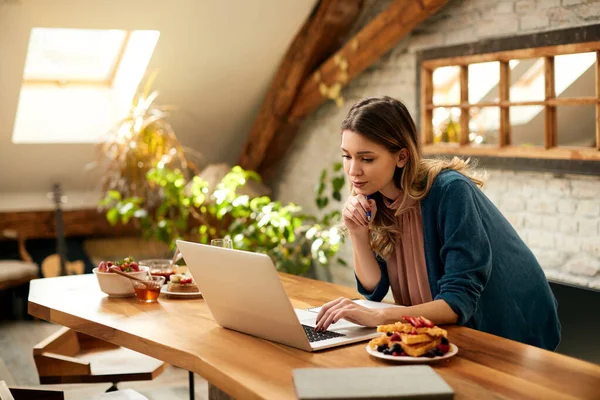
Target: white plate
[
  {"x": 453, "y": 350},
  {"x": 164, "y": 290}
]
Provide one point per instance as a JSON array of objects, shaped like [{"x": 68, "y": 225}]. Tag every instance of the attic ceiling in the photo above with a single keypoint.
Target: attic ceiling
[{"x": 216, "y": 60}]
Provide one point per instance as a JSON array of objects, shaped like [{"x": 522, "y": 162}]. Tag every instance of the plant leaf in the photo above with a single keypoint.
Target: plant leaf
[
  {"x": 338, "y": 183},
  {"x": 114, "y": 194},
  {"x": 112, "y": 216}
]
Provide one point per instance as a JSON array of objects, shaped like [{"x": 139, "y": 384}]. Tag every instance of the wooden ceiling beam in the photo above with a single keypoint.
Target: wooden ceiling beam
[
  {"x": 360, "y": 52},
  {"x": 319, "y": 37},
  {"x": 364, "y": 49}
]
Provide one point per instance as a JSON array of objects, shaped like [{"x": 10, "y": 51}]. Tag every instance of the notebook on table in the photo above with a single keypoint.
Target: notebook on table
[{"x": 397, "y": 382}]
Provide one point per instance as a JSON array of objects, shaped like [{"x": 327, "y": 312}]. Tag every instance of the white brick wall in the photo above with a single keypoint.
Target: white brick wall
[
  {"x": 561, "y": 223},
  {"x": 558, "y": 216},
  {"x": 567, "y": 224},
  {"x": 588, "y": 208}
]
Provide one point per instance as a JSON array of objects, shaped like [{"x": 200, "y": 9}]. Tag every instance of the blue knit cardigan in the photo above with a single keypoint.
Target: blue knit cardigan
[{"x": 479, "y": 265}]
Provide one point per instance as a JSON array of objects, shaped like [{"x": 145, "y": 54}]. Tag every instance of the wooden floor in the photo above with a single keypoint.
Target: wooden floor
[{"x": 17, "y": 368}]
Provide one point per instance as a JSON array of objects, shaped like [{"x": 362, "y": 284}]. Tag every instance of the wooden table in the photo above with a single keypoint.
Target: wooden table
[{"x": 183, "y": 333}]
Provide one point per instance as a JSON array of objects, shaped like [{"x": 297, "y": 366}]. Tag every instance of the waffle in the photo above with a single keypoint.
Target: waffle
[
  {"x": 378, "y": 341},
  {"x": 402, "y": 327},
  {"x": 417, "y": 350},
  {"x": 415, "y": 341}
]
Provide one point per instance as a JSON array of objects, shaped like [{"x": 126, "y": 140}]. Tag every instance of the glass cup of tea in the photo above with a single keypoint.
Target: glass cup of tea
[
  {"x": 225, "y": 242},
  {"x": 159, "y": 267}
]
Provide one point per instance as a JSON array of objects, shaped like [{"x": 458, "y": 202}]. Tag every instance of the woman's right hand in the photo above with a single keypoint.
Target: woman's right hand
[{"x": 355, "y": 213}]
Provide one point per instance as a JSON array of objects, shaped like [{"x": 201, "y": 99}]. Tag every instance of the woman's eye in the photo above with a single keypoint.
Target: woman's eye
[
  {"x": 367, "y": 160},
  {"x": 347, "y": 157}
]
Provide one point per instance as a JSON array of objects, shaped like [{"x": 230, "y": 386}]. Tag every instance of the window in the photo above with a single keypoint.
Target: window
[
  {"x": 68, "y": 56},
  {"x": 78, "y": 83},
  {"x": 541, "y": 102}
]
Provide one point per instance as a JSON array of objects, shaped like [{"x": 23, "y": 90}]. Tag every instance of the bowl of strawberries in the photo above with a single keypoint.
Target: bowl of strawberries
[{"x": 115, "y": 285}]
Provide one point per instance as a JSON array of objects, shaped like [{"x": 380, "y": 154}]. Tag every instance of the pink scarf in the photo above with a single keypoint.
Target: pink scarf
[{"x": 406, "y": 265}]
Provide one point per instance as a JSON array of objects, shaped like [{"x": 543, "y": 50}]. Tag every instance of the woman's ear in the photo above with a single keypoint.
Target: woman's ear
[{"x": 403, "y": 156}]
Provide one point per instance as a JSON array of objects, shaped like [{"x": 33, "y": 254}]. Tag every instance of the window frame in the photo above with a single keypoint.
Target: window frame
[
  {"x": 544, "y": 45},
  {"x": 106, "y": 83}
]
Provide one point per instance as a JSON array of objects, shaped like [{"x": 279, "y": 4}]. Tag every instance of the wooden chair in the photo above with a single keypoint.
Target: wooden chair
[{"x": 15, "y": 393}]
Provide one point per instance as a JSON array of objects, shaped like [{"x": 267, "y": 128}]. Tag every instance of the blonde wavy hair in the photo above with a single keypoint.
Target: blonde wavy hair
[{"x": 386, "y": 121}]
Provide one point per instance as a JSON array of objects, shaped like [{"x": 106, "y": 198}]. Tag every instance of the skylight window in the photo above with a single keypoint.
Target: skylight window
[
  {"x": 78, "y": 83},
  {"x": 74, "y": 55}
]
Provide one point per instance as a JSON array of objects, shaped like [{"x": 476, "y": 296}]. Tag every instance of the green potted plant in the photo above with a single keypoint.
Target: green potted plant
[
  {"x": 188, "y": 209},
  {"x": 149, "y": 181}
]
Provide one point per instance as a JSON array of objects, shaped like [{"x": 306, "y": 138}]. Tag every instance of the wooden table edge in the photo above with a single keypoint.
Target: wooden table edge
[{"x": 215, "y": 377}]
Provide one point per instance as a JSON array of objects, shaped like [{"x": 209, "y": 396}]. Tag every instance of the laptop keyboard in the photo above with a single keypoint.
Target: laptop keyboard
[{"x": 314, "y": 336}]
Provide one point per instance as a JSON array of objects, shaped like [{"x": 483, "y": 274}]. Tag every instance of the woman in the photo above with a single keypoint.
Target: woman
[{"x": 425, "y": 229}]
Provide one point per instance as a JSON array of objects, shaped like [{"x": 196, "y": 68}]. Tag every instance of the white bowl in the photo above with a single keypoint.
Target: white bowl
[{"x": 115, "y": 285}]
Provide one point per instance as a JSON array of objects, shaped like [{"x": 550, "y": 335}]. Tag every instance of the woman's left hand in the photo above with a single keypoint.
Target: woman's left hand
[{"x": 345, "y": 308}]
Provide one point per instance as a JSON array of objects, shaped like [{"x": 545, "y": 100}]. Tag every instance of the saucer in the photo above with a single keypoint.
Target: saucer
[{"x": 189, "y": 295}]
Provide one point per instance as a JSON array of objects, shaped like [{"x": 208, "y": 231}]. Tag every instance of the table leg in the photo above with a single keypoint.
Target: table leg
[
  {"x": 192, "y": 391},
  {"x": 113, "y": 388},
  {"x": 214, "y": 393}
]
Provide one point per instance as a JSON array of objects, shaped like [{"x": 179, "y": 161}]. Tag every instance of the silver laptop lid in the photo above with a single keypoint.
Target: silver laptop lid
[{"x": 244, "y": 293}]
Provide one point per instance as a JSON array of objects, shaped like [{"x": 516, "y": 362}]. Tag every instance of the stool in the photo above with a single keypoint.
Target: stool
[
  {"x": 15, "y": 272},
  {"x": 14, "y": 279}
]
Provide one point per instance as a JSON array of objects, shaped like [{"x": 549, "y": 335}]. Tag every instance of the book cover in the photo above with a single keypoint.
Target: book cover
[{"x": 374, "y": 383}]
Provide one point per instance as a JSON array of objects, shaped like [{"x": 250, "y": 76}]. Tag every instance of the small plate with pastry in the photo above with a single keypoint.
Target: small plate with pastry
[
  {"x": 417, "y": 341},
  {"x": 181, "y": 285}
]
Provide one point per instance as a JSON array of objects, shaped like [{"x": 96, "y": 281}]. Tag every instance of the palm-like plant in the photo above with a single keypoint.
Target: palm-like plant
[{"x": 138, "y": 143}]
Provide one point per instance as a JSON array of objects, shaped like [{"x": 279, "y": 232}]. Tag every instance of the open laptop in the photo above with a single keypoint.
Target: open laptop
[{"x": 244, "y": 293}]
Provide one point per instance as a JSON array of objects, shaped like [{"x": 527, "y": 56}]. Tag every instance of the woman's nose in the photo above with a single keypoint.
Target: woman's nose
[{"x": 354, "y": 169}]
